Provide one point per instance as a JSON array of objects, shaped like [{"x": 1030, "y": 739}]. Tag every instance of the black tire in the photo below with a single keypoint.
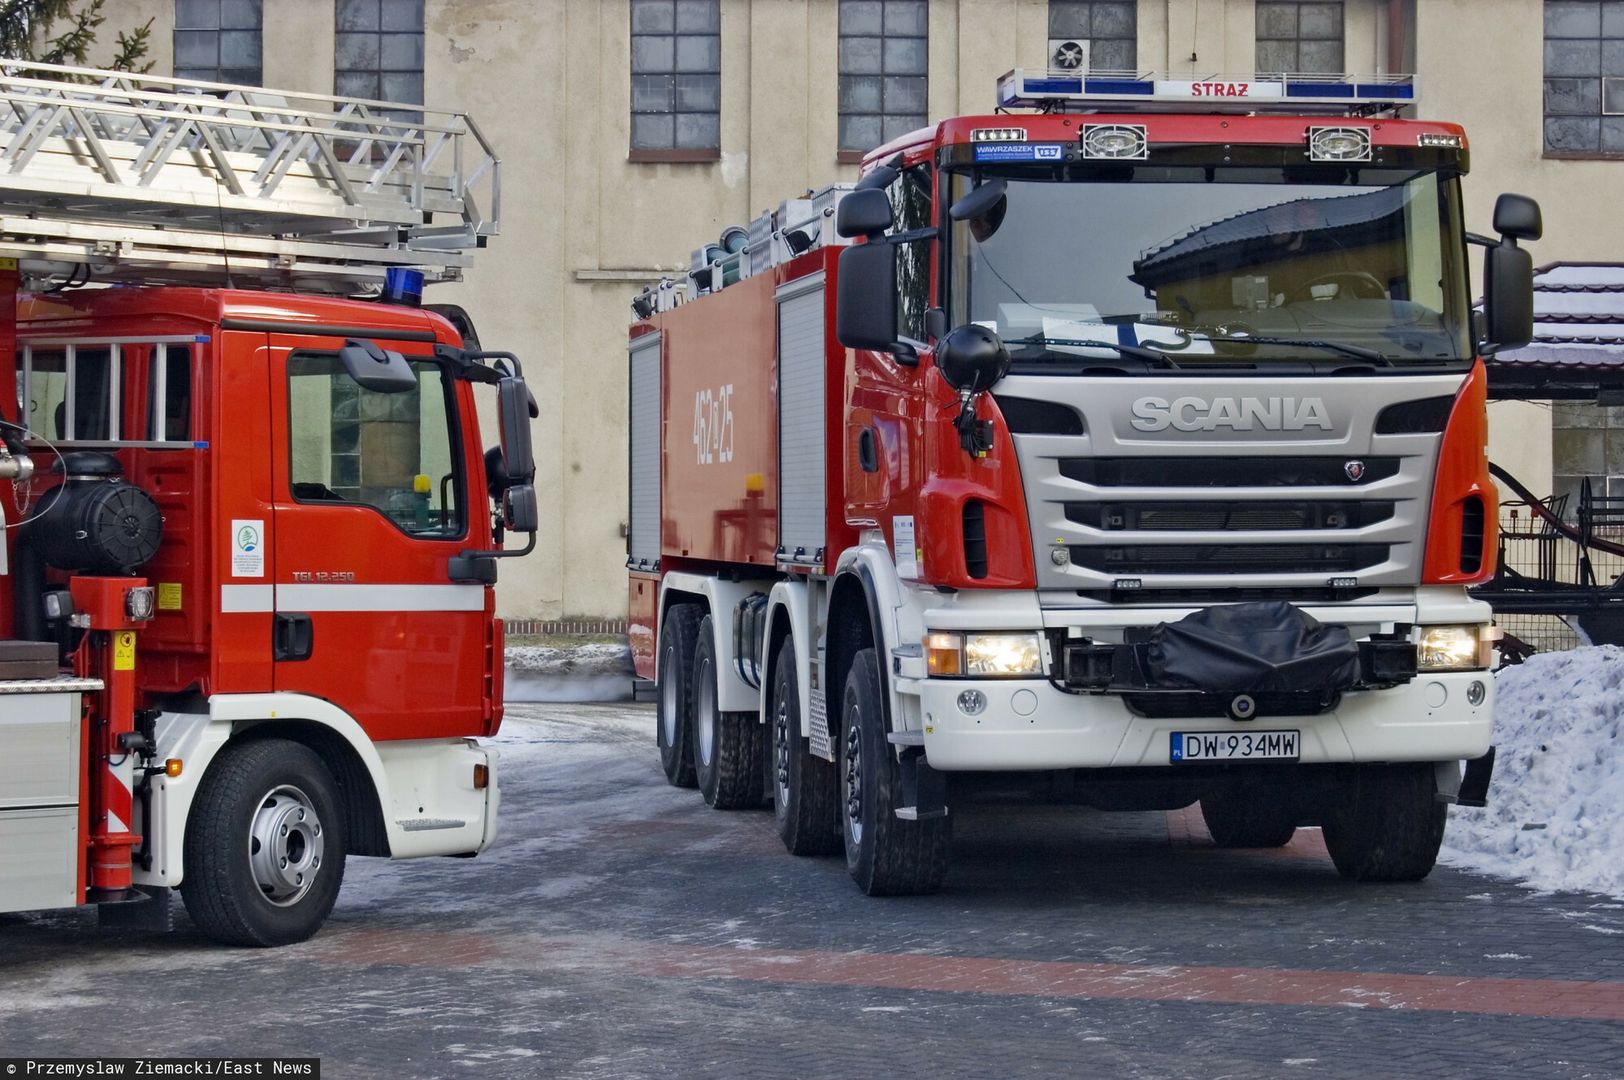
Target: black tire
[
  {"x": 674, "y": 693},
  {"x": 806, "y": 789},
  {"x": 255, "y": 807},
  {"x": 1248, "y": 815},
  {"x": 885, "y": 855},
  {"x": 1388, "y": 824},
  {"x": 728, "y": 751}
]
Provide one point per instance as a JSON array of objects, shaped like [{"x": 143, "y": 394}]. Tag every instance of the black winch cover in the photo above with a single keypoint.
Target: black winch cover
[{"x": 1260, "y": 647}]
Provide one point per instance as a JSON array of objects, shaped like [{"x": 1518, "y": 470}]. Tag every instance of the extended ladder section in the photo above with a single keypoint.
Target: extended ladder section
[
  {"x": 1133, "y": 91},
  {"x": 773, "y": 237},
  {"x": 118, "y": 177}
]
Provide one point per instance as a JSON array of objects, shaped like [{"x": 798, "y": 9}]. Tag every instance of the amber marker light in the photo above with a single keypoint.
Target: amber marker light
[
  {"x": 173, "y": 767},
  {"x": 482, "y": 777},
  {"x": 944, "y": 653}
]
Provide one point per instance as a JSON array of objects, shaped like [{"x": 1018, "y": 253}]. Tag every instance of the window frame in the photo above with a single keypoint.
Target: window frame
[
  {"x": 1132, "y": 38},
  {"x": 220, "y": 72},
  {"x": 120, "y": 387},
  {"x": 1600, "y": 115},
  {"x": 378, "y": 70},
  {"x": 848, "y": 155},
  {"x": 672, "y": 154},
  {"x": 1297, "y": 39},
  {"x": 454, "y": 435}
]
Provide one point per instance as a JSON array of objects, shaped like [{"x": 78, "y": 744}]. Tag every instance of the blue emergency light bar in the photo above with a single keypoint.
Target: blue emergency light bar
[{"x": 1128, "y": 91}]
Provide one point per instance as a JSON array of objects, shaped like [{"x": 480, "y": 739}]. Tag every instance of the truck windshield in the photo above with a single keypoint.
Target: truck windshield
[{"x": 1252, "y": 266}]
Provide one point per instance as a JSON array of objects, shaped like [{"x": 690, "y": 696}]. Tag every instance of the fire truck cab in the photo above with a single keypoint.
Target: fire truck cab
[
  {"x": 1134, "y": 441},
  {"x": 249, "y": 548}
]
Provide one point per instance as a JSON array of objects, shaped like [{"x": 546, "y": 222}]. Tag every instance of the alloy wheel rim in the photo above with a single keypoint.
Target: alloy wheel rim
[
  {"x": 854, "y": 778},
  {"x": 781, "y": 751},
  {"x": 668, "y": 699},
  {"x": 705, "y": 712}
]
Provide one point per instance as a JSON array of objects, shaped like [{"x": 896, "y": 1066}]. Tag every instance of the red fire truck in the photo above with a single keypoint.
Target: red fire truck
[
  {"x": 1132, "y": 437},
  {"x": 247, "y": 596}
]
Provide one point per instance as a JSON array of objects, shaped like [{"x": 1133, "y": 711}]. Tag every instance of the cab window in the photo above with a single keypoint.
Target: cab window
[
  {"x": 910, "y": 210},
  {"x": 394, "y": 453}
]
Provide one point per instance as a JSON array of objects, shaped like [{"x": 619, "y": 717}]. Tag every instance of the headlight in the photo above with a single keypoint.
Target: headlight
[
  {"x": 1449, "y": 648},
  {"x": 983, "y": 656}
]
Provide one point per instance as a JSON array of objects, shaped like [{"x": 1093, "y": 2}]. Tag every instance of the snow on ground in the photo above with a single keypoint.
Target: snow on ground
[
  {"x": 584, "y": 671},
  {"x": 1555, "y": 819}
]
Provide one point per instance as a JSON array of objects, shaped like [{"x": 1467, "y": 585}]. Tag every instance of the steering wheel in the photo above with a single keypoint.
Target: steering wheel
[{"x": 1356, "y": 283}]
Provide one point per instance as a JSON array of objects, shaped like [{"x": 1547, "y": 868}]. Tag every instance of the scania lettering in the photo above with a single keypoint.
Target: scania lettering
[
  {"x": 1196, "y": 414},
  {"x": 1149, "y": 467},
  {"x": 247, "y": 623}
]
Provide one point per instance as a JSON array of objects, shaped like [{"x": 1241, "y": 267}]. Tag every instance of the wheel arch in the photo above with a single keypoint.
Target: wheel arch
[{"x": 365, "y": 831}]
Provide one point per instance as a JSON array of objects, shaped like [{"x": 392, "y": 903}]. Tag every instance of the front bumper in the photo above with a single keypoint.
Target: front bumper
[{"x": 1030, "y": 724}]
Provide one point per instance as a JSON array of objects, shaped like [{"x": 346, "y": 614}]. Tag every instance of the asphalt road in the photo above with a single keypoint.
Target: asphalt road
[{"x": 622, "y": 929}]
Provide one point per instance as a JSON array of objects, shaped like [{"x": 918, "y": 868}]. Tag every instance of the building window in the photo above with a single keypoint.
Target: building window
[
  {"x": 1296, "y": 37},
  {"x": 883, "y": 53},
  {"x": 1584, "y": 78},
  {"x": 219, "y": 41},
  {"x": 677, "y": 78},
  {"x": 378, "y": 50},
  {"x": 1093, "y": 34}
]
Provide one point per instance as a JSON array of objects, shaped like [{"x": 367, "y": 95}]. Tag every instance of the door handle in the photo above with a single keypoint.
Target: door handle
[
  {"x": 868, "y": 451},
  {"x": 292, "y": 637}
]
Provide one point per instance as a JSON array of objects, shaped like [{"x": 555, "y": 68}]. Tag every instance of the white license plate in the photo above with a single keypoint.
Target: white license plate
[{"x": 1235, "y": 745}]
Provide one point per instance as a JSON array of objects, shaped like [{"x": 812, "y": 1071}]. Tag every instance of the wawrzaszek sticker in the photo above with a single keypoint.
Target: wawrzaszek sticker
[{"x": 247, "y": 548}]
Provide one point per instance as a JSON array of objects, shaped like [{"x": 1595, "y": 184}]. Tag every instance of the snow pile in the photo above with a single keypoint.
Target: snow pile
[
  {"x": 1555, "y": 818},
  {"x": 582, "y": 671}
]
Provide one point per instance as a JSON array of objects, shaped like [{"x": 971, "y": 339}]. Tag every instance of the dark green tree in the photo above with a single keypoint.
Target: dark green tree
[{"x": 62, "y": 32}]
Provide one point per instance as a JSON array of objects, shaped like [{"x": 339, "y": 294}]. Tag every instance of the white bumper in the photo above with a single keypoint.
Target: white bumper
[{"x": 1028, "y": 724}]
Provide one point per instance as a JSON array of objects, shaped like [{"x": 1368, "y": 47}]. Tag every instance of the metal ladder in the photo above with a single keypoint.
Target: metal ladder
[{"x": 138, "y": 178}]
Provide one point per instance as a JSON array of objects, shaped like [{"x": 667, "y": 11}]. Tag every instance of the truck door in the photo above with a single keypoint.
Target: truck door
[{"x": 371, "y": 503}]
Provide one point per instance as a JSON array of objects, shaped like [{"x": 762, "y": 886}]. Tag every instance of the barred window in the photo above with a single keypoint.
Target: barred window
[
  {"x": 378, "y": 50},
  {"x": 676, "y": 75},
  {"x": 1584, "y": 78},
  {"x": 1297, "y": 37},
  {"x": 883, "y": 62},
  {"x": 219, "y": 41},
  {"x": 1104, "y": 34}
]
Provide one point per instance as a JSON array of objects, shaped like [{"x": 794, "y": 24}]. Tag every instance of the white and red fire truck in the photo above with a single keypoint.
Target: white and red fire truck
[
  {"x": 248, "y": 561},
  {"x": 1133, "y": 435}
]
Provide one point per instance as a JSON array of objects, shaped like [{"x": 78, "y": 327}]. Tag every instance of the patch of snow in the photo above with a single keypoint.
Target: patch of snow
[
  {"x": 1504, "y": 956},
  {"x": 1559, "y": 729}
]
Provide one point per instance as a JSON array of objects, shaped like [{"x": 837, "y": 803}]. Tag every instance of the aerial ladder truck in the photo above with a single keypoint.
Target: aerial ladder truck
[{"x": 251, "y": 531}]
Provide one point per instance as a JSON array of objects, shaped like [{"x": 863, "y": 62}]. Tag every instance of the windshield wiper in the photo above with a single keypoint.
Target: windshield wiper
[
  {"x": 1138, "y": 352},
  {"x": 1357, "y": 351}
]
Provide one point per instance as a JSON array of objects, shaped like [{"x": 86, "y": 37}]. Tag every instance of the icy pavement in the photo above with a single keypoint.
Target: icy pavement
[{"x": 1555, "y": 818}]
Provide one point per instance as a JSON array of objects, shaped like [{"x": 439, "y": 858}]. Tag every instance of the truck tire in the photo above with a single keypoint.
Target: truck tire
[
  {"x": 806, "y": 791},
  {"x": 728, "y": 751},
  {"x": 675, "y": 693},
  {"x": 1247, "y": 815},
  {"x": 265, "y": 845},
  {"x": 1388, "y": 824},
  {"x": 885, "y": 855}
]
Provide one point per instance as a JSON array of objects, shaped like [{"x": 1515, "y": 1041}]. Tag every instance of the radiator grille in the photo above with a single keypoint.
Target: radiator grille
[
  {"x": 1122, "y": 559},
  {"x": 1222, "y": 472},
  {"x": 1212, "y": 516}
]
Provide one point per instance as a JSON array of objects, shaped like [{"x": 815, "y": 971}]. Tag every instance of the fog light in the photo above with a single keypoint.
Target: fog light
[
  {"x": 972, "y": 702},
  {"x": 1476, "y": 692}
]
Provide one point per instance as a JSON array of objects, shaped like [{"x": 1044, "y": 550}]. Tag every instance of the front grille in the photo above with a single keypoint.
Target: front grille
[
  {"x": 1220, "y": 516},
  {"x": 1227, "y": 558},
  {"x": 1204, "y": 597},
  {"x": 1222, "y": 472},
  {"x": 1193, "y": 705}
]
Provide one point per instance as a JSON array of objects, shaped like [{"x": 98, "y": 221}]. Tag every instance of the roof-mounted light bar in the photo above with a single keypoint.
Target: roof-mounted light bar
[{"x": 1127, "y": 91}]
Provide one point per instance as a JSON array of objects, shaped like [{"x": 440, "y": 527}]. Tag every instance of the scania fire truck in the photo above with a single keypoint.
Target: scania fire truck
[
  {"x": 246, "y": 583},
  {"x": 1133, "y": 435}
]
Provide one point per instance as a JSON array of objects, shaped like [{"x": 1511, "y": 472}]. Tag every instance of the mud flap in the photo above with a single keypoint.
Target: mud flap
[
  {"x": 924, "y": 790},
  {"x": 1474, "y": 786},
  {"x": 148, "y": 908}
]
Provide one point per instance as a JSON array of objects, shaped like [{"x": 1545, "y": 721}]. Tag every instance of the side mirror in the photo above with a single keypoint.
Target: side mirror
[
  {"x": 866, "y": 304},
  {"x": 980, "y": 201},
  {"x": 519, "y": 513},
  {"x": 1517, "y": 216},
  {"x": 1508, "y": 274},
  {"x": 513, "y": 416},
  {"x": 863, "y": 213},
  {"x": 383, "y": 371},
  {"x": 972, "y": 358}
]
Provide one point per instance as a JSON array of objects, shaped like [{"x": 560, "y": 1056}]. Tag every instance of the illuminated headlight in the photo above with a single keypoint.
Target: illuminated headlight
[
  {"x": 984, "y": 656},
  {"x": 139, "y": 604},
  {"x": 1449, "y": 648}
]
